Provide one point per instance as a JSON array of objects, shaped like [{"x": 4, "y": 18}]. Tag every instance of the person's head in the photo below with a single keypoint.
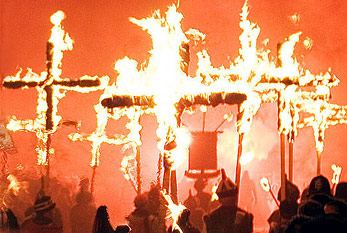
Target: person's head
[
  {"x": 296, "y": 224},
  {"x": 84, "y": 184},
  {"x": 43, "y": 205},
  {"x": 141, "y": 201},
  {"x": 122, "y": 229},
  {"x": 84, "y": 198},
  {"x": 200, "y": 184},
  {"x": 153, "y": 199},
  {"x": 319, "y": 185},
  {"x": 341, "y": 191},
  {"x": 336, "y": 208},
  {"x": 312, "y": 209},
  {"x": 102, "y": 222},
  {"x": 191, "y": 202},
  {"x": 226, "y": 191},
  {"x": 292, "y": 192}
]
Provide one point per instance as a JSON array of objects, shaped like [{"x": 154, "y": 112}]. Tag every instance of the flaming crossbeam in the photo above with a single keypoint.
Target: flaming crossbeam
[
  {"x": 131, "y": 141},
  {"x": 51, "y": 88}
]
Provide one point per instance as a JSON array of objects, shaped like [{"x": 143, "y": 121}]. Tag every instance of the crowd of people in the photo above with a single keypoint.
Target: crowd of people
[{"x": 315, "y": 210}]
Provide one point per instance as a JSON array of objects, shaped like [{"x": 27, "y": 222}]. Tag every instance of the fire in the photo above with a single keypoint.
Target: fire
[
  {"x": 308, "y": 43},
  {"x": 174, "y": 210},
  {"x": 51, "y": 88},
  {"x": 214, "y": 196},
  {"x": 337, "y": 173},
  {"x": 264, "y": 182},
  {"x": 246, "y": 158},
  {"x": 14, "y": 184},
  {"x": 253, "y": 78}
]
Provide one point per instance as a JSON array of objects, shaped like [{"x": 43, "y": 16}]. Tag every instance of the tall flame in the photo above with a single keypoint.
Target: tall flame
[
  {"x": 51, "y": 88},
  {"x": 337, "y": 173}
]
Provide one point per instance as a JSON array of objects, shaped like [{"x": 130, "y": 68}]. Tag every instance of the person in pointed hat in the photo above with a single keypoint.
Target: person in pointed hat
[{"x": 228, "y": 218}]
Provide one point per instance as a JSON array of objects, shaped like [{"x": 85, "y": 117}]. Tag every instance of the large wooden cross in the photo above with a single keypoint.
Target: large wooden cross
[
  {"x": 251, "y": 80},
  {"x": 51, "y": 88}
]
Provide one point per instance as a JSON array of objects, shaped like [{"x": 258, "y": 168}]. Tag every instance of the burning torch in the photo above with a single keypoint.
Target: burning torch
[
  {"x": 264, "y": 182},
  {"x": 336, "y": 175}
]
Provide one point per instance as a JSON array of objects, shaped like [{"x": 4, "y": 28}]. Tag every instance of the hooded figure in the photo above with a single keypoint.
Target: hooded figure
[
  {"x": 228, "y": 218},
  {"x": 42, "y": 218}
]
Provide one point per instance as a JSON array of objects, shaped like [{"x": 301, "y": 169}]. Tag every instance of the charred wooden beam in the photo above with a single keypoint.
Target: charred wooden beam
[
  {"x": 212, "y": 99},
  {"x": 128, "y": 101}
]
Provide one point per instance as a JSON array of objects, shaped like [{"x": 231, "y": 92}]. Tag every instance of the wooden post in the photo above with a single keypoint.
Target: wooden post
[
  {"x": 283, "y": 167},
  {"x": 174, "y": 187},
  {"x": 291, "y": 161},
  {"x": 48, "y": 164},
  {"x": 319, "y": 163},
  {"x": 92, "y": 181},
  {"x": 138, "y": 170},
  {"x": 203, "y": 121},
  {"x": 238, "y": 165},
  {"x": 166, "y": 179}
]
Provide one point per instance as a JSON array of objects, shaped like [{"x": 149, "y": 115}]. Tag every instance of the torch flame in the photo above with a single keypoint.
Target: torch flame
[
  {"x": 214, "y": 196},
  {"x": 337, "y": 173},
  {"x": 174, "y": 210},
  {"x": 264, "y": 182}
]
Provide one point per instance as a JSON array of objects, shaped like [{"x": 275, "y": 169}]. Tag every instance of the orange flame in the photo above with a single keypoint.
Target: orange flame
[
  {"x": 174, "y": 211},
  {"x": 337, "y": 173},
  {"x": 264, "y": 182}
]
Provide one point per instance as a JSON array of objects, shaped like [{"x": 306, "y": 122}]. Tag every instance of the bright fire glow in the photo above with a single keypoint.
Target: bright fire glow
[
  {"x": 60, "y": 41},
  {"x": 246, "y": 158},
  {"x": 15, "y": 185},
  {"x": 253, "y": 73},
  {"x": 337, "y": 173},
  {"x": 264, "y": 182},
  {"x": 214, "y": 196},
  {"x": 174, "y": 210}
]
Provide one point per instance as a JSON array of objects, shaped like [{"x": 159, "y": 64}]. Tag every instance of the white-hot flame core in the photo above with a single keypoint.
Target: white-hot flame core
[
  {"x": 253, "y": 73},
  {"x": 214, "y": 196},
  {"x": 337, "y": 173},
  {"x": 247, "y": 158},
  {"x": 264, "y": 182},
  {"x": 174, "y": 211},
  {"x": 15, "y": 185}
]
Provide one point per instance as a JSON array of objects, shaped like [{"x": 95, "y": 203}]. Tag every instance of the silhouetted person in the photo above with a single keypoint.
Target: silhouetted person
[
  {"x": 8, "y": 221},
  {"x": 122, "y": 229},
  {"x": 138, "y": 219},
  {"x": 280, "y": 218},
  {"x": 153, "y": 205},
  {"x": 228, "y": 218},
  {"x": 82, "y": 213},
  {"x": 341, "y": 191},
  {"x": 102, "y": 221},
  {"x": 196, "y": 212},
  {"x": 337, "y": 210},
  {"x": 311, "y": 209},
  {"x": 204, "y": 198},
  {"x": 42, "y": 221}
]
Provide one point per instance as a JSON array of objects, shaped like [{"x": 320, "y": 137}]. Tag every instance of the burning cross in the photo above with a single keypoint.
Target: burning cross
[
  {"x": 130, "y": 141},
  {"x": 51, "y": 89},
  {"x": 252, "y": 79},
  {"x": 163, "y": 89}
]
